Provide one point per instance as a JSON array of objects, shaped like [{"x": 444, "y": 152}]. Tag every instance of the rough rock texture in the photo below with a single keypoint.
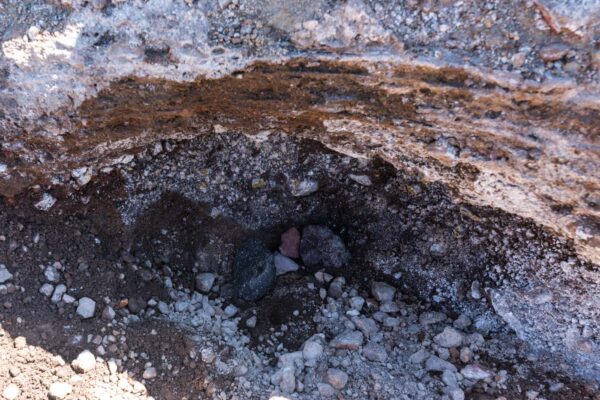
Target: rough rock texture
[{"x": 465, "y": 93}]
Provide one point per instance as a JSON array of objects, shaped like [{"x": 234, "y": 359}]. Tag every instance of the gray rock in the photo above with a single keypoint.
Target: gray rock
[
  {"x": 5, "y": 275},
  {"x": 230, "y": 311},
  {"x": 389, "y": 307},
  {"x": 449, "y": 378},
  {"x": 435, "y": 363},
  {"x": 476, "y": 372},
  {"x": 284, "y": 264},
  {"x": 321, "y": 247},
  {"x": 357, "y": 303},
  {"x": 374, "y": 352},
  {"x": 336, "y": 378},
  {"x": 312, "y": 352},
  {"x": 253, "y": 270},
  {"x": 349, "y": 340},
  {"x": 251, "y": 322},
  {"x": 325, "y": 390},
  {"x": 86, "y": 307},
  {"x": 51, "y": 274},
  {"x": 336, "y": 289},
  {"x": 205, "y": 282},
  {"x": 108, "y": 314},
  {"x": 361, "y": 179},
  {"x": 462, "y": 322},
  {"x": 418, "y": 357},
  {"x": 136, "y": 304},
  {"x": 84, "y": 362},
  {"x": 382, "y": 291},
  {"x": 456, "y": 393},
  {"x": 59, "y": 291},
  {"x": 431, "y": 317},
  {"x": 304, "y": 188},
  {"x": 449, "y": 337},
  {"x": 59, "y": 390},
  {"x": 367, "y": 326},
  {"x": 46, "y": 289}
]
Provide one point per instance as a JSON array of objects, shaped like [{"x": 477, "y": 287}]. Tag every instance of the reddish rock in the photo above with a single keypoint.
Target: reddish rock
[{"x": 290, "y": 242}]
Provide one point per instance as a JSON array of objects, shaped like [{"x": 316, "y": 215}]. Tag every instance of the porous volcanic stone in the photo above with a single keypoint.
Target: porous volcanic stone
[{"x": 253, "y": 270}]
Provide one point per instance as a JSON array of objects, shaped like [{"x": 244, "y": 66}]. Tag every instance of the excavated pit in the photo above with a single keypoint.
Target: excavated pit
[{"x": 139, "y": 233}]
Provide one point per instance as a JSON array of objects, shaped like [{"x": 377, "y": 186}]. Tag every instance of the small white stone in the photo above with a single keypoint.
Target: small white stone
[
  {"x": 361, "y": 179},
  {"x": 84, "y": 362},
  {"x": 68, "y": 299},
  {"x": 11, "y": 392},
  {"x": 149, "y": 373},
  {"x": 45, "y": 203},
  {"x": 304, "y": 188},
  {"x": 284, "y": 264},
  {"x": 476, "y": 372},
  {"x": 86, "y": 308},
  {"x": 59, "y": 291},
  {"x": 47, "y": 289},
  {"x": 5, "y": 275},
  {"x": 59, "y": 390},
  {"x": 52, "y": 274}
]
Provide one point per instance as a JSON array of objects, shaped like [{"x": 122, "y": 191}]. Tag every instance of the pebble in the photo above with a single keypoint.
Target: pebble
[
  {"x": 476, "y": 372},
  {"x": 431, "y": 317},
  {"x": 462, "y": 322},
  {"x": 84, "y": 362},
  {"x": 382, "y": 291},
  {"x": 52, "y": 274},
  {"x": 304, "y": 188},
  {"x": 253, "y": 271},
  {"x": 321, "y": 247},
  {"x": 5, "y": 275},
  {"x": 553, "y": 52},
  {"x": 435, "y": 363},
  {"x": 11, "y": 392},
  {"x": 45, "y": 203},
  {"x": 312, "y": 351},
  {"x": 349, "y": 340},
  {"x": 86, "y": 307},
  {"x": 68, "y": 299},
  {"x": 230, "y": 311},
  {"x": 251, "y": 322},
  {"x": 357, "y": 303},
  {"x": 367, "y": 326},
  {"x": 290, "y": 243},
  {"x": 108, "y": 314},
  {"x": 374, "y": 352},
  {"x": 325, "y": 390},
  {"x": 205, "y": 282},
  {"x": 336, "y": 378},
  {"x": 449, "y": 337},
  {"x": 284, "y": 265},
  {"x": 59, "y": 390},
  {"x": 46, "y": 289},
  {"x": 361, "y": 179},
  {"x": 59, "y": 291},
  {"x": 149, "y": 373}
]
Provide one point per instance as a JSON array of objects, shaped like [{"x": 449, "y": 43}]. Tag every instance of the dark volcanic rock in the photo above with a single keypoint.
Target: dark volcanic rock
[
  {"x": 253, "y": 270},
  {"x": 321, "y": 247}
]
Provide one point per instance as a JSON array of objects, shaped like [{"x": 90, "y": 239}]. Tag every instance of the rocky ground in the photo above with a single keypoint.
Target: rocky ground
[{"x": 229, "y": 267}]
